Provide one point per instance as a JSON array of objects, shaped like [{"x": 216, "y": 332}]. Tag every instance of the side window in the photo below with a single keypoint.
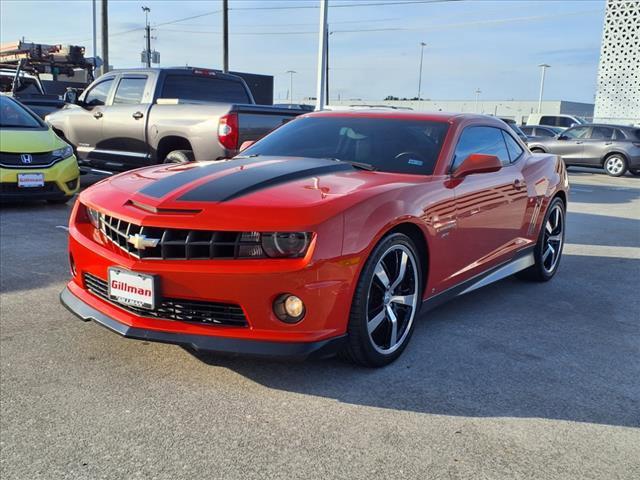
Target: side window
[
  {"x": 547, "y": 120},
  {"x": 619, "y": 135},
  {"x": 130, "y": 91},
  {"x": 98, "y": 95},
  {"x": 487, "y": 140},
  {"x": 528, "y": 130},
  {"x": 577, "y": 132},
  {"x": 564, "y": 122},
  {"x": 543, "y": 132},
  {"x": 514, "y": 149},
  {"x": 601, "y": 133}
]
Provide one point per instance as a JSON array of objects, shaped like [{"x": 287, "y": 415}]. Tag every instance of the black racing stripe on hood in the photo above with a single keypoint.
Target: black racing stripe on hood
[
  {"x": 160, "y": 188},
  {"x": 248, "y": 181}
]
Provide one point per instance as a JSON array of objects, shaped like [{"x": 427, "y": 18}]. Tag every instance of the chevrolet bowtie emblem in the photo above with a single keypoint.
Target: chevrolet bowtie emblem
[{"x": 141, "y": 242}]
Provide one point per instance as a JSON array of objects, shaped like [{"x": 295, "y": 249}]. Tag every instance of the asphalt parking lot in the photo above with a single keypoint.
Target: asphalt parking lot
[{"x": 513, "y": 381}]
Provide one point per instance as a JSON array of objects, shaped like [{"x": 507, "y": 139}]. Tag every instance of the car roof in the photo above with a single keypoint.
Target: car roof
[
  {"x": 400, "y": 114},
  {"x": 623, "y": 127}
]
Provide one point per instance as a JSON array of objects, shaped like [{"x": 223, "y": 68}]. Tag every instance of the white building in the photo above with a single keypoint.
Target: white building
[
  {"x": 517, "y": 110},
  {"x": 618, "y": 94}
]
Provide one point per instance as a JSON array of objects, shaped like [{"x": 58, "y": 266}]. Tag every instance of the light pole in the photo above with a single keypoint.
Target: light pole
[
  {"x": 422, "y": 45},
  {"x": 291, "y": 72},
  {"x": 544, "y": 67},
  {"x": 478, "y": 92},
  {"x": 322, "y": 56}
]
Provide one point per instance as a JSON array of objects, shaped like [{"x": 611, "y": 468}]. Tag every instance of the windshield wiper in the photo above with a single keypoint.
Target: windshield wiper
[{"x": 360, "y": 165}]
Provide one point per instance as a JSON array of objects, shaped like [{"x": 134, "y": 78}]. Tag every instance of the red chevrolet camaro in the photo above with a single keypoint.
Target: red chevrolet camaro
[{"x": 328, "y": 235}]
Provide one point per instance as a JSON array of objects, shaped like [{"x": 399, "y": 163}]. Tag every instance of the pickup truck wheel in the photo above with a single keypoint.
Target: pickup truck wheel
[{"x": 179, "y": 156}]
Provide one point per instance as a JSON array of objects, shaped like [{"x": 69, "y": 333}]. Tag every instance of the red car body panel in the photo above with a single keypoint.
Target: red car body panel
[{"x": 469, "y": 226}]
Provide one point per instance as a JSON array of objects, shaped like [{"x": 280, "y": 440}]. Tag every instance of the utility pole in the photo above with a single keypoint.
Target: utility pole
[
  {"x": 322, "y": 56},
  {"x": 478, "y": 92},
  {"x": 95, "y": 33},
  {"x": 147, "y": 36},
  {"x": 291, "y": 72},
  {"x": 225, "y": 36},
  {"x": 327, "y": 69},
  {"x": 104, "y": 30},
  {"x": 544, "y": 67},
  {"x": 422, "y": 45}
]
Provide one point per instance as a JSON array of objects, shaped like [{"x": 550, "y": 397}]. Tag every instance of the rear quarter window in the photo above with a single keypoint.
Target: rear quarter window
[{"x": 204, "y": 89}]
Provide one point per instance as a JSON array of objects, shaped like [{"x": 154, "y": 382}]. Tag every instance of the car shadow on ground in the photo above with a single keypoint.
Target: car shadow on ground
[
  {"x": 560, "y": 350},
  {"x": 622, "y": 193},
  {"x": 587, "y": 229}
]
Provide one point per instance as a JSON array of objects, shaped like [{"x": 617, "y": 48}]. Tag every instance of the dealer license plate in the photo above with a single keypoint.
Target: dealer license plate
[
  {"x": 133, "y": 288},
  {"x": 30, "y": 180}
]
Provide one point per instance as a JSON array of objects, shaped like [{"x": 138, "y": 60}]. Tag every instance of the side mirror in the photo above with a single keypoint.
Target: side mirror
[
  {"x": 246, "y": 144},
  {"x": 70, "y": 96},
  {"x": 562, "y": 137},
  {"x": 478, "y": 163}
]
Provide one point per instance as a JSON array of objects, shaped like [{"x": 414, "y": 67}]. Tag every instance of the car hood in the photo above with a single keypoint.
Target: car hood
[
  {"x": 28, "y": 140},
  {"x": 264, "y": 192}
]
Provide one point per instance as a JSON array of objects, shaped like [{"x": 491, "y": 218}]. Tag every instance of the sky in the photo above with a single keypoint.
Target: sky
[{"x": 494, "y": 46}]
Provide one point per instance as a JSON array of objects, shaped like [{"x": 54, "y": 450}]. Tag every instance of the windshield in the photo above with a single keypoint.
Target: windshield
[
  {"x": 12, "y": 114},
  {"x": 387, "y": 144}
]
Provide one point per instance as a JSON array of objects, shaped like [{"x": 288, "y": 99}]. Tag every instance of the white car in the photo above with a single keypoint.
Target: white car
[{"x": 556, "y": 120}]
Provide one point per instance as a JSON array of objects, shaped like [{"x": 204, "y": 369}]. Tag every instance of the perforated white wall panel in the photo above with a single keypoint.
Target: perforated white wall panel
[{"x": 618, "y": 94}]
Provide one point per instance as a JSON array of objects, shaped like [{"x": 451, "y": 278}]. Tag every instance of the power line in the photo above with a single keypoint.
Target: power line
[
  {"x": 346, "y": 5},
  {"x": 188, "y": 18},
  {"x": 396, "y": 29}
]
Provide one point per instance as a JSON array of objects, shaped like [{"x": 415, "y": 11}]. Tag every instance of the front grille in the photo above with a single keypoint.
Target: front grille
[
  {"x": 7, "y": 188},
  {"x": 176, "y": 309},
  {"x": 178, "y": 244},
  {"x": 37, "y": 160}
]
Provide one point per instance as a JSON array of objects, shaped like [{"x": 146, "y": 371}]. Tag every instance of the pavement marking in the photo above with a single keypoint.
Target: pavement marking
[{"x": 602, "y": 251}]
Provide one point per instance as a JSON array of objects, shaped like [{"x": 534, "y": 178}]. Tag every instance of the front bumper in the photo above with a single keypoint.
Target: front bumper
[
  {"x": 321, "y": 348},
  {"x": 61, "y": 180}
]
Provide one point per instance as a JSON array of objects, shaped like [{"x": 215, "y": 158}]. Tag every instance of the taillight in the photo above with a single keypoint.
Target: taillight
[{"x": 228, "y": 131}]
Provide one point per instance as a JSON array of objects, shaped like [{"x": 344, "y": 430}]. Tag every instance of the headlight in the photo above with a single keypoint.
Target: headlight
[
  {"x": 94, "y": 217},
  {"x": 62, "y": 153},
  {"x": 285, "y": 244}
]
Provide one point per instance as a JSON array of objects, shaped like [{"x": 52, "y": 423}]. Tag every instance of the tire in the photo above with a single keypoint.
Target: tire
[
  {"x": 537, "y": 150},
  {"x": 549, "y": 243},
  {"x": 179, "y": 156},
  {"x": 377, "y": 348},
  {"x": 58, "y": 201},
  {"x": 615, "y": 165}
]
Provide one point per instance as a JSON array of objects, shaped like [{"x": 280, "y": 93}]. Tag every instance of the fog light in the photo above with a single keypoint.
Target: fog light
[{"x": 289, "y": 308}]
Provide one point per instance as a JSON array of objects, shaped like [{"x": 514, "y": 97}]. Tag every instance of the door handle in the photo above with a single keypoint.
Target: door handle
[
  {"x": 579, "y": 143},
  {"x": 97, "y": 115},
  {"x": 137, "y": 115},
  {"x": 518, "y": 184}
]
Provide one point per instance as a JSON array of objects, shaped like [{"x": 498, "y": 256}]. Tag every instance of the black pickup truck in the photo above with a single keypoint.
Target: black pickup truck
[
  {"x": 28, "y": 89},
  {"x": 131, "y": 118}
]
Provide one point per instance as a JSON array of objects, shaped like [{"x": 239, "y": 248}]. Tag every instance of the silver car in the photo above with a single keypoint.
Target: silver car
[{"x": 615, "y": 148}]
